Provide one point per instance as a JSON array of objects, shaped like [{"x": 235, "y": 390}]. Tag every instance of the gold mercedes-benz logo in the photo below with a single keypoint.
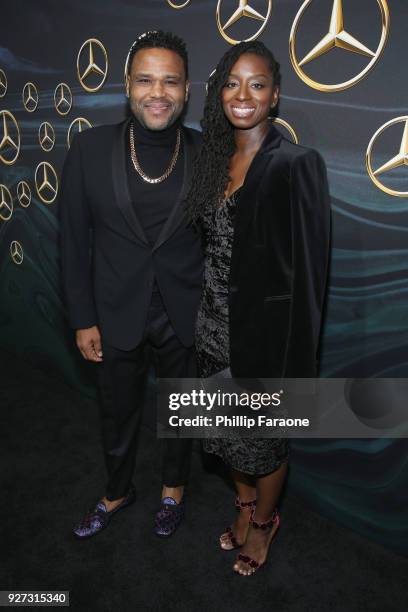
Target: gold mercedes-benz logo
[
  {"x": 46, "y": 136},
  {"x": 91, "y": 66},
  {"x": 46, "y": 182},
  {"x": 3, "y": 83},
  {"x": 208, "y": 80},
  {"x": 9, "y": 144},
  {"x": 62, "y": 99},
  {"x": 398, "y": 160},
  {"x": 337, "y": 36},
  {"x": 6, "y": 203},
  {"x": 243, "y": 10},
  {"x": 30, "y": 97},
  {"x": 288, "y": 127},
  {"x": 178, "y": 6},
  {"x": 78, "y": 125},
  {"x": 16, "y": 252},
  {"x": 24, "y": 194}
]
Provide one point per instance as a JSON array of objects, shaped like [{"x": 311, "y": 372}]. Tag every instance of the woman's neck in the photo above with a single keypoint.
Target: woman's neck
[{"x": 251, "y": 140}]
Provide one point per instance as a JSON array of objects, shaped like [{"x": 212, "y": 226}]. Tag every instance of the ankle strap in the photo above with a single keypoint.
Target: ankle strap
[
  {"x": 267, "y": 524},
  {"x": 245, "y": 504}
]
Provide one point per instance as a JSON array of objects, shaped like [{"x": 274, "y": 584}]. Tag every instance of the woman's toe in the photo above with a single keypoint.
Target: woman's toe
[
  {"x": 240, "y": 567},
  {"x": 224, "y": 542}
]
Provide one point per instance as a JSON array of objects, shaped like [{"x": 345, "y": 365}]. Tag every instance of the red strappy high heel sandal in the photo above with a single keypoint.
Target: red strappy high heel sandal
[
  {"x": 228, "y": 536},
  {"x": 273, "y": 521}
]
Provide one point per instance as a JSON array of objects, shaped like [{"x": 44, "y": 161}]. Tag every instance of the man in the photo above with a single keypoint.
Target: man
[{"x": 135, "y": 299}]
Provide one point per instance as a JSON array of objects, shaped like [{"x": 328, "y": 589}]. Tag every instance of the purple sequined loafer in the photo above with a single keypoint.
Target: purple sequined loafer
[
  {"x": 169, "y": 517},
  {"x": 98, "y": 518}
]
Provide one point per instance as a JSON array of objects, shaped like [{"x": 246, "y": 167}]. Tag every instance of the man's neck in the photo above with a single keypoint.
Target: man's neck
[{"x": 144, "y": 135}]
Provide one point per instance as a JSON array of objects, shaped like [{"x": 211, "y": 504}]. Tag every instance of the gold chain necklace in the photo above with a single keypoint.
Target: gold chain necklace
[{"x": 139, "y": 170}]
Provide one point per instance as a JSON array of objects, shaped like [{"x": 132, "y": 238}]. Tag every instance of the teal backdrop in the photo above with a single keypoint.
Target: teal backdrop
[{"x": 361, "y": 484}]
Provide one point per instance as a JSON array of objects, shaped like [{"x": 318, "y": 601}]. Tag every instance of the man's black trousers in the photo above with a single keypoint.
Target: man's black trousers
[{"x": 121, "y": 384}]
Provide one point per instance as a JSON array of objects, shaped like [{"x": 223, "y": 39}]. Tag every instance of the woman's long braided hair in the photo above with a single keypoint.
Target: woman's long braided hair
[{"x": 211, "y": 167}]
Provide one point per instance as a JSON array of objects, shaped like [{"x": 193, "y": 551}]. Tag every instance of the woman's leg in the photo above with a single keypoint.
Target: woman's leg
[
  {"x": 245, "y": 485},
  {"x": 246, "y": 491},
  {"x": 268, "y": 490}
]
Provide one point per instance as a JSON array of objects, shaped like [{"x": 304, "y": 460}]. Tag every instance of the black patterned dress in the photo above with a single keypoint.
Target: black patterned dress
[{"x": 248, "y": 455}]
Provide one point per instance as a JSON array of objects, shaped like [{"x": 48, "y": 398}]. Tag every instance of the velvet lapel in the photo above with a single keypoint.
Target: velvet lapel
[
  {"x": 247, "y": 197},
  {"x": 120, "y": 182},
  {"x": 177, "y": 214}
]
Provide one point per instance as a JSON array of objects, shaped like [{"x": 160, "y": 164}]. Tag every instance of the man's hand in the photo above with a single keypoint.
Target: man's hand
[{"x": 89, "y": 343}]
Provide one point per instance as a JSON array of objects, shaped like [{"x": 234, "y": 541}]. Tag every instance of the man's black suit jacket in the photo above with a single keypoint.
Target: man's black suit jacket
[
  {"x": 108, "y": 266},
  {"x": 279, "y": 262}
]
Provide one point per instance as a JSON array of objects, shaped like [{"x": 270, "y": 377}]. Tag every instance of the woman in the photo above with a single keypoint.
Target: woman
[{"x": 262, "y": 203}]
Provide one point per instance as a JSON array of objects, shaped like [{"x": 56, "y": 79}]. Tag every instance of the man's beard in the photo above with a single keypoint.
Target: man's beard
[{"x": 172, "y": 118}]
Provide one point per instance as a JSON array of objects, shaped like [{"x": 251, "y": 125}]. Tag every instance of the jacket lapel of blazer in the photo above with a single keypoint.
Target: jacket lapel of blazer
[
  {"x": 177, "y": 214},
  {"x": 120, "y": 182},
  {"x": 247, "y": 199}
]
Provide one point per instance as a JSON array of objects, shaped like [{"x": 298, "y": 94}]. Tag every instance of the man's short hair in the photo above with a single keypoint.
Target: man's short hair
[{"x": 161, "y": 40}]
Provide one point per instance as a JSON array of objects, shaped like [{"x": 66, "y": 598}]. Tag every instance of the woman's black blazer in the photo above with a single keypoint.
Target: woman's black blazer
[{"x": 279, "y": 262}]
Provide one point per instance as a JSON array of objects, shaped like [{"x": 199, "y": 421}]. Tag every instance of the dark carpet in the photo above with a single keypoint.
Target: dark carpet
[{"x": 52, "y": 470}]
